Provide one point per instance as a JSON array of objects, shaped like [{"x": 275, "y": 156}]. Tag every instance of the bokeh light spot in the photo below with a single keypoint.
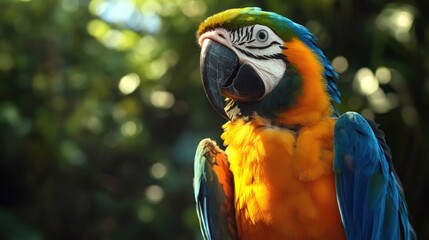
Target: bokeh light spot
[
  {"x": 125, "y": 13},
  {"x": 156, "y": 69},
  {"x": 154, "y": 193},
  {"x": 379, "y": 102},
  {"x": 193, "y": 8},
  {"x": 112, "y": 39},
  {"x": 340, "y": 64},
  {"x": 403, "y": 20},
  {"x": 383, "y": 75},
  {"x": 365, "y": 82},
  {"x": 162, "y": 99},
  {"x": 397, "y": 20},
  {"x": 93, "y": 124},
  {"x": 97, "y": 28},
  {"x": 70, "y": 5},
  {"x": 129, "y": 83},
  {"x": 131, "y": 128},
  {"x": 158, "y": 170}
]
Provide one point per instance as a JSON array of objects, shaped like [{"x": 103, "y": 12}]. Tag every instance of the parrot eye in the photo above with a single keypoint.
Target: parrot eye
[{"x": 262, "y": 35}]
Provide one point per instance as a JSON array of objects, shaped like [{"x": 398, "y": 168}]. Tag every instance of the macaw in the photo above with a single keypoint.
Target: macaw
[{"x": 293, "y": 168}]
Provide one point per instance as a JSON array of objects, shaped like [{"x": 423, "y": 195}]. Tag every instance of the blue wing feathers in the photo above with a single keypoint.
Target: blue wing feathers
[
  {"x": 399, "y": 201},
  {"x": 369, "y": 193},
  {"x": 213, "y": 191}
]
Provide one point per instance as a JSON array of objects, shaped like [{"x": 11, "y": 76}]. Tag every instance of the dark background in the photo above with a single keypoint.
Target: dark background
[{"x": 101, "y": 107}]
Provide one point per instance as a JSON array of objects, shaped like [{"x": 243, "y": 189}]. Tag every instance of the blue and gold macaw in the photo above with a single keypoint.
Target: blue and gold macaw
[{"x": 292, "y": 168}]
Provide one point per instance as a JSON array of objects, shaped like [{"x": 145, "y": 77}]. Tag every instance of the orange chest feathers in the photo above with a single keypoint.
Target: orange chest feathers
[{"x": 284, "y": 184}]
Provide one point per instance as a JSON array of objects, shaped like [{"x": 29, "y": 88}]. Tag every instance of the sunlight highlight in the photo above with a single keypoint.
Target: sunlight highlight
[
  {"x": 97, "y": 28},
  {"x": 126, "y": 13},
  {"x": 129, "y": 83},
  {"x": 368, "y": 84},
  {"x": 380, "y": 103},
  {"x": 397, "y": 20},
  {"x": 162, "y": 99},
  {"x": 383, "y": 75},
  {"x": 365, "y": 82}
]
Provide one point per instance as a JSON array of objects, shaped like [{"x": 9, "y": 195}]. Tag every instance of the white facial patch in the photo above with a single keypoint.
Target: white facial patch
[
  {"x": 256, "y": 45},
  {"x": 262, "y": 49}
]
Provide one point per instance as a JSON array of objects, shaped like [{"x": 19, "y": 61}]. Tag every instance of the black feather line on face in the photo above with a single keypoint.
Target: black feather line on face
[
  {"x": 262, "y": 57},
  {"x": 264, "y": 47},
  {"x": 241, "y": 36},
  {"x": 232, "y": 36},
  {"x": 280, "y": 56},
  {"x": 251, "y": 33}
]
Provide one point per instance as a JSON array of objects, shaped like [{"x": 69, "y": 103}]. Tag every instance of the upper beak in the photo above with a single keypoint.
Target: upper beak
[
  {"x": 217, "y": 63},
  {"x": 222, "y": 74}
]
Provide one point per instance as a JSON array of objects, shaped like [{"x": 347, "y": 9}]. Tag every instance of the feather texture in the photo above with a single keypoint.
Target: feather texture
[
  {"x": 370, "y": 196},
  {"x": 292, "y": 167},
  {"x": 214, "y": 192},
  {"x": 284, "y": 184}
]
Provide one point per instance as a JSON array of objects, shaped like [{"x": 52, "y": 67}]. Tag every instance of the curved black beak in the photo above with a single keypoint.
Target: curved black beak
[
  {"x": 222, "y": 74},
  {"x": 217, "y": 63}
]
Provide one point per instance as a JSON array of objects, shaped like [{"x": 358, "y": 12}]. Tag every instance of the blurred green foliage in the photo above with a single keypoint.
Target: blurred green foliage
[{"x": 101, "y": 107}]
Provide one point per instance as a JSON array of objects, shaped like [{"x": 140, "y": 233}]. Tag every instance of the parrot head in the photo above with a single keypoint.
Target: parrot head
[{"x": 257, "y": 62}]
